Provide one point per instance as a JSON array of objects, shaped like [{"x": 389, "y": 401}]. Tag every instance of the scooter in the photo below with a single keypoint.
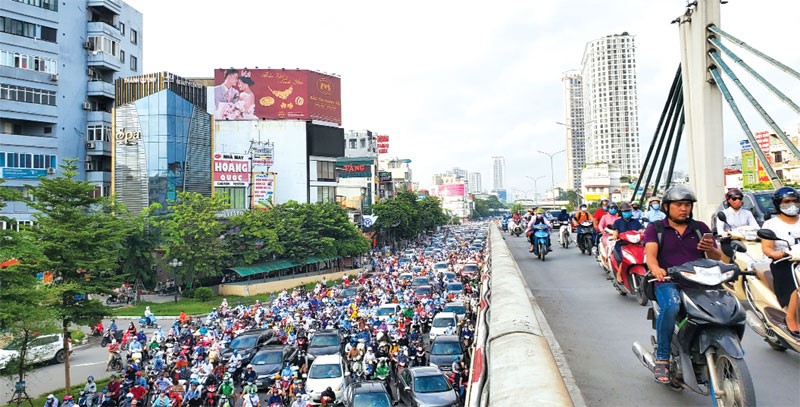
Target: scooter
[
  {"x": 605, "y": 252},
  {"x": 564, "y": 235},
  {"x": 766, "y": 317},
  {"x": 98, "y": 329},
  {"x": 145, "y": 322},
  {"x": 706, "y": 354},
  {"x": 539, "y": 240},
  {"x": 747, "y": 236},
  {"x": 584, "y": 239},
  {"x": 516, "y": 230},
  {"x": 107, "y": 336},
  {"x": 634, "y": 268}
]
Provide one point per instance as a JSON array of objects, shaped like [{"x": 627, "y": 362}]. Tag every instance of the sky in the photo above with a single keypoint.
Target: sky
[{"x": 456, "y": 82}]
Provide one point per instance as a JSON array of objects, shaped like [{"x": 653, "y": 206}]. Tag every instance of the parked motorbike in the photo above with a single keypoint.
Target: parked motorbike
[
  {"x": 706, "y": 352},
  {"x": 539, "y": 240},
  {"x": 584, "y": 239},
  {"x": 564, "y": 235},
  {"x": 634, "y": 268},
  {"x": 115, "y": 299}
]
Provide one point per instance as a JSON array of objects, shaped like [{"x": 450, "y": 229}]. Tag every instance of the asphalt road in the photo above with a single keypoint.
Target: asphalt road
[{"x": 596, "y": 327}]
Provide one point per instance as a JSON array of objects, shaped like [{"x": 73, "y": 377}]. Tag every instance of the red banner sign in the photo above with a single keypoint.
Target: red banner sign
[
  {"x": 383, "y": 139},
  {"x": 230, "y": 172}
]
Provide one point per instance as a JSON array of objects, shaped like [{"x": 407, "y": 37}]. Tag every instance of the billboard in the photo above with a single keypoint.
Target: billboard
[
  {"x": 263, "y": 190},
  {"x": 252, "y": 94},
  {"x": 762, "y": 139},
  {"x": 452, "y": 190},
  {"x": 231, "y": 170},
  {"x": 383, "y": 144}
]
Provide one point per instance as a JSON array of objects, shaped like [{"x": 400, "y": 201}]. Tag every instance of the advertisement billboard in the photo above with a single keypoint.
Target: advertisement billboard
[
  {"x": 263, "y": 190},
  {"x": 231, "y": 170},
  {"x": 762, "y": 138},
  {"x": 252, "y": 94},
  {"x": 452, "y": 190}
]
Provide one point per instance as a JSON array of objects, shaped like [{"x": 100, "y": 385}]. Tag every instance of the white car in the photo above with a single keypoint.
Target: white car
[
  {"x": 43, "y": 348},
  {"x": 382, "y": 314},
  {"x": 441, "y": 322},
  {"x": 327, "y": 371}
]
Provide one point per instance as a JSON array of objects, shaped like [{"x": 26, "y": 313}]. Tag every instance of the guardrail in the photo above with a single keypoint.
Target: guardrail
[{"x": 512, "y": 362}]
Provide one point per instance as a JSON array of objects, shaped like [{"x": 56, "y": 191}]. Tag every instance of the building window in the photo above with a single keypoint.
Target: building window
[
  {"x": 29, "y": 62},
  {"x": 363, "y": 143},
  {"x": 237, "y": 197},
  {"x": 122, "y": 56},
  {"x": 326, "y": 171},
  {"x": 134, "y": 62},
  {"x": 778, "y": 157},
  {"x": 326, "y": 194},
  {"x": 24, "y": 29},
  {"x": 51, "y": 5},
  {"x": 27, "y": 95},
  {"x": 104, "y": 44},
  {"x": 122, "y": 28},
  {"x": 352, "y": 144},
  {"x": 134, "y": 36},
  {"x": 26, "y": 160},
  {"x": 98, "y": 133}
]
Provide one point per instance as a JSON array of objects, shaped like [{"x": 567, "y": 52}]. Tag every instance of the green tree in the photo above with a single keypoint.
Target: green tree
[
  {"x": 481, "y": 208},
  {"x": 140, "y": 243},
  {"x": 339, "y": 236},
  {"x": 431, "y": 215},
  {"x": 80, "y": 237},
  {"x": 289, "y": 220},
  {"x": 494, "y": 202},
  {"x": 571, "y": 196},
  {"x": 397, "y": 215},
  {"x": 250, "y": 239},
  {"x": 191, "y": 233}
]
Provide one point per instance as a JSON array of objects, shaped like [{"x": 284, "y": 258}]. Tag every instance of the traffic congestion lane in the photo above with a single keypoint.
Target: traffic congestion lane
[{"x": 596, "y": 327}]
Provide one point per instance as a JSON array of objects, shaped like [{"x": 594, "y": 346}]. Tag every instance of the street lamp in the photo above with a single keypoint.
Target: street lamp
[
  {"x": 535, "y": 186},
  {"x": 552, "y": 175},
  {"x": 175, "y": 263}
]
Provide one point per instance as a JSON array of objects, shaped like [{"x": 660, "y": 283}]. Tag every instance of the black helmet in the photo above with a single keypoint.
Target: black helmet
[
  {"x": 782, "y": 193},
  {"x": 612, "y": 205},
  {"x": 734, "y": 193},
  {"x": 624, "y": 207},
  {"x": 678, "y": 193}
]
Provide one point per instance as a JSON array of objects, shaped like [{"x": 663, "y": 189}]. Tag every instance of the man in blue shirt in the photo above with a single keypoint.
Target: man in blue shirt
[{"x": 653, "y": 212}]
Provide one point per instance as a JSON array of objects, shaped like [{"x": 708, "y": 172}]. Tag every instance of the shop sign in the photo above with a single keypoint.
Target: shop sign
[{"x": 126, "y": 137}]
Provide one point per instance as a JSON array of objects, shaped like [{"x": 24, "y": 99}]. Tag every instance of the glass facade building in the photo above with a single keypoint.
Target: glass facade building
[{"x": 162, "y": 140}]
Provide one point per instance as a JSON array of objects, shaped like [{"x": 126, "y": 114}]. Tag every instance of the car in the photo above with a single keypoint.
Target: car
[
  {"x": 368, "y": 393},
  {"x": 423, "y": 291},
  {"x": 449, "y": 276},
  {"x": 425, "y": 386},
  {"x": 248, "y": 343},
  {"x": 41, "y": 349},
  {"x": 269, "y": 361},
  {"x": 416, "y": 269},
  {"x": 382, "y": 314},
  {"x": 454, "y": 289},
  {"x": 420, "y": 281},
  {"x": 444, "y": 350},
  {"x": 327, "y": 371},
  {"x": 348, "y": 292},
  {"x": 403, "y": 261},
  {"x": 759, "y": 203},
  {"x": 469, "y": 269},
  {"x": 405, "y": 278},
  {"x": 441, "y": 322},
  {"x": 324, "y": 342},
  {"x": 440, "y": 266},
  {"x": 456, "y": 307}
]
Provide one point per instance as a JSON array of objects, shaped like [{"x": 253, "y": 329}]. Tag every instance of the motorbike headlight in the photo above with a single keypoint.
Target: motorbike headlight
[{"x": 710, "y": 276}]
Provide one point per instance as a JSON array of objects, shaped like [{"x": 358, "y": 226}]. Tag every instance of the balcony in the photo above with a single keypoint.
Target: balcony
[
  {"x": 98, "y": 148},
  {"x": 113, "y": 6},
  {"x": 98, "y": 177},
  {"x": 97, "y": 117},
  {"x": 100, "y": 28},
  {"x": 102, "y": 60},
  {"x": 101, "y": 89}
]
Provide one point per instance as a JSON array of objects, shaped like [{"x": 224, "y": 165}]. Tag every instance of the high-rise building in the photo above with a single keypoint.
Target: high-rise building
[
  {"x": 498, "y": 173},
  {"x": 58, "y": 64},
  {"x": 475, "y": 183},
  {"x": 574, "y": 126},
  {"x": 611, "y": 104}
]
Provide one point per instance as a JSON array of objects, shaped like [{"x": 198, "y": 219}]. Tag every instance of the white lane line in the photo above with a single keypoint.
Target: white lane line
[{"x": 88, "y": 364}]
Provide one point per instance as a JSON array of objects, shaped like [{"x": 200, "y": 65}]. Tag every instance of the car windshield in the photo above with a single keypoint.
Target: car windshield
[
  {"x": 456, "y": 309},
  {"x": 324, "y": 372},
  {"x": 445, "y": 348},
  {"x": 324, "y": 340},
  {"x": 430, "y": 384},
  {"x": 470, "y": 267},
  {"x": 14, "y": 345},
  {"x": 423, "y": 290},
  {"x": 268, "y": 358},
  {"x": 765, "y": 202},
  {"x": 443, "y": 322},
  {"x": 372, "y": 400},
  {"x": 455, "y": 287},
  {"x": 382, "y": 312},
  {"x": 244, "y": 342}
]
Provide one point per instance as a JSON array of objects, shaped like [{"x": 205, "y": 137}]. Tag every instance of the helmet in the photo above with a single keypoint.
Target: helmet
[
  {"x": 612, "y": 205},
  {"x": 50, "y": 396},
  {"x": 635, "y": 205},
  {"x": 781, "y": 193},
  {"x": 540, "y": 211},
  {"x": 653, "y": 199},
  {"x": 563, "y": 208},
  {"x": 734, "y": 192},
  {"x": 623, "y": 207},
  {"x": 67, "y": 397}
]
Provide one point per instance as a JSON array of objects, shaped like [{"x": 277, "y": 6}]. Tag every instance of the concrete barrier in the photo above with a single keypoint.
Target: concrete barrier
[
  {"x": 243, "y": 289},
  {"x": 521, "y": 366}
]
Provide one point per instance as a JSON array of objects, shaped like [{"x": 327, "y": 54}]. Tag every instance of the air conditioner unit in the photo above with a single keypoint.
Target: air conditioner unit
[
  {"x": 90, "y": 166},
  {"x": 87, "y": 105},
  {"x": 90, "y": 146},
  {"x": 51, "y": 170},
  {"x": 88, "y": 45},
  {"x": 54, "y": 77}
]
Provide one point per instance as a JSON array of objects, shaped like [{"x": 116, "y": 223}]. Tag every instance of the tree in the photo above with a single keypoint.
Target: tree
[
  {"x": 251, "y": 240},
  {"x": 431, "y": 215},
  {"x": 80, "y": 237},
  {"x": 516, "y": 207},
  {"x": 481, "y": 208},
  {"x": 289, "y": 221},
  {"x": 331, "y": 224},
  {"x": 137, "y": 259},
  {"x": 570, "y": 195},
  {"x": 192, "y": 233}
]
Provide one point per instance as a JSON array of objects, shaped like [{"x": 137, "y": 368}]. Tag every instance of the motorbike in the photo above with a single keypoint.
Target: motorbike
[
  {"x": 382, "y": 371},
  {"x": 148, "y": 322},
  {"x": 115, "y": 299},
  {"x": 539, "y": 240},
  {"x": 107, "y": 336},
  {"x": 584, "y": 239},
  {"x": 605, "y": 252},
  {"x": 746, "y": 235},
  {"x": 634, "y": 268},
  {"x": 515, "y": 228},
  {"x": 706, "y": 354},
  {"x": 564, "y": 235},
  {"x": 766, "y": 317},
  {"x": 98, "y": 329},
  {"x": 211, "y": 398},
  {"x": 116, "y": 362},
  {"x": 505, "y": 225}
]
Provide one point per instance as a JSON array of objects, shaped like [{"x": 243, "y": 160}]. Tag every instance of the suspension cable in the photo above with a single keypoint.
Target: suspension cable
[{"x": 716, "y": 30}]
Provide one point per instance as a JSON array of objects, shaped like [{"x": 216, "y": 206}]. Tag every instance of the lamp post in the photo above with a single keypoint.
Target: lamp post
[
  {"x": 535, "y": 187},
  {"x": 175, "y": 263},
  {"x": 552, "y": 175}
]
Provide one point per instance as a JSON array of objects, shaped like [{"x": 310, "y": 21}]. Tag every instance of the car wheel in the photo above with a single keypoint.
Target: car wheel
[{"x": 60, "y": 357}]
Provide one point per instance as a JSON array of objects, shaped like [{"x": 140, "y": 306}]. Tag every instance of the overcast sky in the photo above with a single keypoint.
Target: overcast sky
[{"x": 456, "y": 82}]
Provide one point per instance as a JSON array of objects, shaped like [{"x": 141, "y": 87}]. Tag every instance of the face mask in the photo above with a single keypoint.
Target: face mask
[
  {"x": 790, "y": 209},
  {"x": 612, "y": 211},
  {"x": 627, "y": 215},
  {"x": 604, "y": 207},
  {"x": 654, "y": 207}
]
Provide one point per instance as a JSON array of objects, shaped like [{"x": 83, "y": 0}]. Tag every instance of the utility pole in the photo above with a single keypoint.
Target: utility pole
[
  {"x": 535, "y": 187},
  {"x": 552, "y": 175}
]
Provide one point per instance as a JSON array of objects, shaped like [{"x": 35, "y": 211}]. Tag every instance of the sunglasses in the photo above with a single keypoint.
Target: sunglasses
[{"x": 735, "y": 198}]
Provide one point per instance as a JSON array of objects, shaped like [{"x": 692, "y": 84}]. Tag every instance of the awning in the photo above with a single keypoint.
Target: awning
[{"x": 280, "y": 264}]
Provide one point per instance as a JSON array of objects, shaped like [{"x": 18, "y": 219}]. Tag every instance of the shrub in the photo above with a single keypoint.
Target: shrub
[
  {"x": 203, "y": 294},
  {"x": 187, "y": 293}
]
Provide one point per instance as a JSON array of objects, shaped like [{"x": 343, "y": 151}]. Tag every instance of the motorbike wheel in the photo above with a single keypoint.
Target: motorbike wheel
[
  {"x": 109, "y": 301},
  {"x": 542, "y": 251},
  {"x": 104, "y": 342},
  {"x": 735, "y": 380},
  {"x": 638, "y": 283}
]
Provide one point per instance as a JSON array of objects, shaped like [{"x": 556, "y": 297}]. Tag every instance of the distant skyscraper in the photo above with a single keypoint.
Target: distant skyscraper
[
  {"x": 498, "y": 173},
  {"x": 475, "y": 183},
  {"x": 574, "y": 126},
  {"x": 610, "y": 103}
]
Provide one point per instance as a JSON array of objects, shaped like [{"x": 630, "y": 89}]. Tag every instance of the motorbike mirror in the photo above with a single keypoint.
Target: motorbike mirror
[
  {"x": 721, "y": 216},
  {"x": 406, "y": 388},
  {"x": 305, "y": 375},
  {"x": 738, "y": 246},
  {"x": 766, "y": 234}
]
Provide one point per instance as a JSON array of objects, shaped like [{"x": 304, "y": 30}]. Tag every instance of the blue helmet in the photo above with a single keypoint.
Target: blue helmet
[{"x": 781, "y": 193}]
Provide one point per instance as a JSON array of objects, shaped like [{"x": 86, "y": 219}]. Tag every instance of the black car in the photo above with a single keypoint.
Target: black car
[
  {"x": 270, "y": 360},
  {"x": 248, "y": 343},
  {"x": 326, "y": 342},
  {"x": 368, "y": 393},
  {"x": 444, "y": 350}
]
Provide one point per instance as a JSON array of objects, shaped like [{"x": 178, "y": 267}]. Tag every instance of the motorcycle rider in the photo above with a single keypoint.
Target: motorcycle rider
[
  {"x": 113, "y": 350},
  {"x": 679, "y": 241},
  {"x": 536, "y": 220},
  {"x": 653, "y": 212},
  {"x": 735, "y": 215},
  {"x": 563, "y": 219},
  {"x": 636, "y": 213},
  {"x": 51, "y": 401},
  {"x": 90, "y": 391},
  {"x": 329, "y": 393},
  {"x": 786, "y": 226},
  {"x": 626, "y": 223},
  {"x": 596, "y": 216}
]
